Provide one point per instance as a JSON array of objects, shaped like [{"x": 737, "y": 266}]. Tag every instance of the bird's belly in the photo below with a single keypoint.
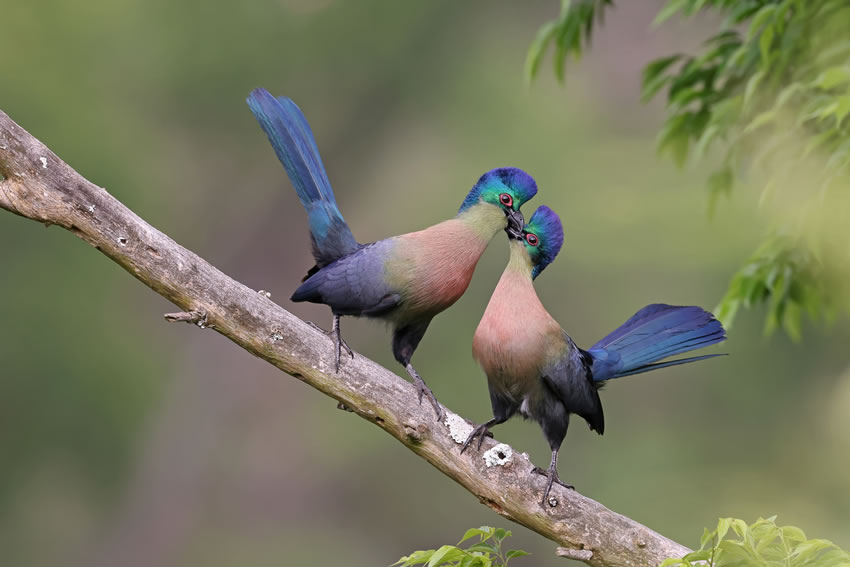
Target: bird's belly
[
  {"x": 435, "y": 292},
  {"x": 511, "y": 362}
]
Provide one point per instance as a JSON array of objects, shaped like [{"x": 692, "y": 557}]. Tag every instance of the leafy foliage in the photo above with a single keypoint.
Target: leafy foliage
[
  {"x": 762, "y": 543},
  {"x": 769, "y": 96},
  {"x": 486, "y": 552},
  {"x": 569, "y": 33}
]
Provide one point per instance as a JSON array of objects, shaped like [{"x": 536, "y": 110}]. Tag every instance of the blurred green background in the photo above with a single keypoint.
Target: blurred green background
[{"x": 128, "y": 441}]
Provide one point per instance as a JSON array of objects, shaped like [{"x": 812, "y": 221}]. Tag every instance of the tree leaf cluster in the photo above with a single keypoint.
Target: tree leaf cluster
[
  {"x": 734, "y": 543},
  {"x": 485, "y": 552},
  {"x": 766, "y": 99},
  {"x": 569, "y": 33}
]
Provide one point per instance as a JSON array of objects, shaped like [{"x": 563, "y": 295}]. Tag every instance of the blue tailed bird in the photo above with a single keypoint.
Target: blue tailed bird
[
  {"x": 405, "y": 280},
  {"x": 533, "y": 367}
]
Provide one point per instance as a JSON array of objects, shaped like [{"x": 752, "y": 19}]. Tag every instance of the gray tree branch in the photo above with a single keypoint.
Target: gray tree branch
[{"x": 40, "y": 186}]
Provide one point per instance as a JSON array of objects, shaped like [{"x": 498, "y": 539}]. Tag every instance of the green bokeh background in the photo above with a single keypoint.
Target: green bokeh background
[{"x": 128, "y": 441}]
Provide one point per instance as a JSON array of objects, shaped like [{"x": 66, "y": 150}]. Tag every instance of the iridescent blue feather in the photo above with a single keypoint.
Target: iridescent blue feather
[
  {"x": 295, "y": 146},
  {"x": 655, "y": 332}
]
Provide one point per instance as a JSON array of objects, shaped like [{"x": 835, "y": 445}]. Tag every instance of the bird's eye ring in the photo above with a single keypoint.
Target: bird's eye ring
[
  {"x": 506, "y": 200},
  {"x": 532, "y": 239}
]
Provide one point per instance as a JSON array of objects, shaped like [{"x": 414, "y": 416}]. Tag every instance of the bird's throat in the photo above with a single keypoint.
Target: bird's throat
[
  {"x": 484, "y": 220},
  {"x": 519, "y": 262}
]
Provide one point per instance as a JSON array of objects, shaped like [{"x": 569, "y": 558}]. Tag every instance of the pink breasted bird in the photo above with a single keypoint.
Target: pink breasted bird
[
  {"x": 535, "y": 369},
  {"x": 405, "y": 280}
]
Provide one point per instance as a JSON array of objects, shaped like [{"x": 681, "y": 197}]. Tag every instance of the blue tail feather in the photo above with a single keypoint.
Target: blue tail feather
[
  {"x": 655, "y": 332},
  {"x": 293, "y": 142},
  {"x": 656, "y": 366}
]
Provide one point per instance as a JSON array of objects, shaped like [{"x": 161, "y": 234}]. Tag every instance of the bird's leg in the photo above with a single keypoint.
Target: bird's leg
[
  {"x": 336, "y": 336},
  {"x": 552, "y": 473},
  {"x": 340, "y": 343},
  {"x": 481, "y": 432},
  {"x": 423, "y": 389}
]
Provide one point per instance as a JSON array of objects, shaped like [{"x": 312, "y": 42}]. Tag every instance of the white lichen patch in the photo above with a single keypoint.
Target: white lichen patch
[
  {"x": 43, "y": 161},
  {"x": 91, "y": 208},
  {"x": 459, "y": 429},
  {"x": 498, "y": 456}
]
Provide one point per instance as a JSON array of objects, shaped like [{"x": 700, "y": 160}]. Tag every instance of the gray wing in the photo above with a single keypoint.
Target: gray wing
[
  {"x": 353, "y": 284},
  {"x": 570, "y": 378}
]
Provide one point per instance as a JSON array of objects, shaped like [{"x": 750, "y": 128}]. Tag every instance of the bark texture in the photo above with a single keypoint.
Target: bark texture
[{"x": 38, "y": 185}]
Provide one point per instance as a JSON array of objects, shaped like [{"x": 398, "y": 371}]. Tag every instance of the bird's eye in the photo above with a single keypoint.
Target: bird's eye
[
  {"x": 506, "y": 200},
  {"x": 531, "y": 239}
]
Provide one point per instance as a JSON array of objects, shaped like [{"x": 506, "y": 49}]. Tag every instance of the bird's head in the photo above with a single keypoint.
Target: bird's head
[
  {"x": 541, "y": 238},
  {"x": 507, "y": 188}
]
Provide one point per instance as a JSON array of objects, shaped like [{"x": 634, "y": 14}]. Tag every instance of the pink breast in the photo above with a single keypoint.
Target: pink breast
[
  {"x": 444, "y": 259},
  {"x": 515, "y": 331}
]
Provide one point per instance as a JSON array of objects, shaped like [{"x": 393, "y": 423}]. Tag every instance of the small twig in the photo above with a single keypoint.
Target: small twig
[
  {"x": 577, "y": 554},
  {"x": 198, "y": 318}
]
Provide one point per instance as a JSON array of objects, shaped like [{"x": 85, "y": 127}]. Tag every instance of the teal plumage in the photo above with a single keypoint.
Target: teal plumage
[
  {"x": 535, "y": 369},
  {"x": 406, "y": 279}
]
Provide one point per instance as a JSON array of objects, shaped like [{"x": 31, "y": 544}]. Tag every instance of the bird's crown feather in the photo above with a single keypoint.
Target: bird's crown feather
[
  {"x": 546, "y": 226},
  {"x": 520, "y": 185}
]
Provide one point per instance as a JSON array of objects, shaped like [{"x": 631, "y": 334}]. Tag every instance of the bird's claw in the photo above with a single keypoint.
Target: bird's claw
[
  {"x": 481, "y": 432},
  {"x": 315, "y": 326},
  {"x": 552, "y": 474},
  {"x": 339, "y": 342},
  {"x": 423, "y": 390}
]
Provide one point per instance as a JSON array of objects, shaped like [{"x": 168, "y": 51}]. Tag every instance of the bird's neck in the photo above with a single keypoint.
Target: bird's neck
[
  {"x": 519, "y": 262},
  {"x": 484, "y": 220}
]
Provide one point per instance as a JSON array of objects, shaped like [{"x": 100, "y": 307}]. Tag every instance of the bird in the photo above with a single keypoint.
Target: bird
[
  {"x": 535, "y": 369},
  {"x": 404, "y": 280}
]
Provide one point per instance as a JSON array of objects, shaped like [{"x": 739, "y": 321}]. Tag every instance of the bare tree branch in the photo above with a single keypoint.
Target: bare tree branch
[{"x": 40, "y": 186}]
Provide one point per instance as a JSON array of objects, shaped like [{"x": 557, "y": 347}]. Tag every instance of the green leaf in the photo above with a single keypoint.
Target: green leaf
[
  {"x": 752, "y": 85},
  {"x": 705, "y": 140},
  {"x": 765, "y": 43},
  {"x": 700, "y": 555},
  {"x": 726, "y": 311},
  {"x": 515, "y": 553},
  {"x": 483, "y": 548},
  {"x": 445, "y": 554},
  {"x": 760, "y": 120},
  {"x": 842, "y": 109},
  {"x": 834, "y": 77},
  {"x": 415, "y": 558},
  {"x": 723, "y": 525},
  {"x": 671, "y": 8},
  {"x": 760, "y": 19},
  {"x": 657, "y": 67},
  {"x": 787, "y": 93},
  {"x": 707, "y": 536},
  {"x": 719, "y": 185},
  {"x": 484, "y": 532},
  {"x": 475, "y": 561},
  {"x": 537, "y": 49},
  {"x": 500, "y": 534}
]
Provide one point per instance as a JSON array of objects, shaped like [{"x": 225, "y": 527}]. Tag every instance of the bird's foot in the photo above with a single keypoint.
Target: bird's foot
[
  {"x": 340, "y": 345},
  {"x": 336, "y": 337},
  {"x": 318, "y": 328},
  {"x": 481, "y": 432},
  {"x": 423, "y": 390},
  {"x": 552, "y": 473}
]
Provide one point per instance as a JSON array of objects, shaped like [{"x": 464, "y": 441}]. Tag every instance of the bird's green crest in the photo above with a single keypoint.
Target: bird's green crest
[
  {"x": 543, "y": 237},
  {"x": 507, "y": 187}
]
